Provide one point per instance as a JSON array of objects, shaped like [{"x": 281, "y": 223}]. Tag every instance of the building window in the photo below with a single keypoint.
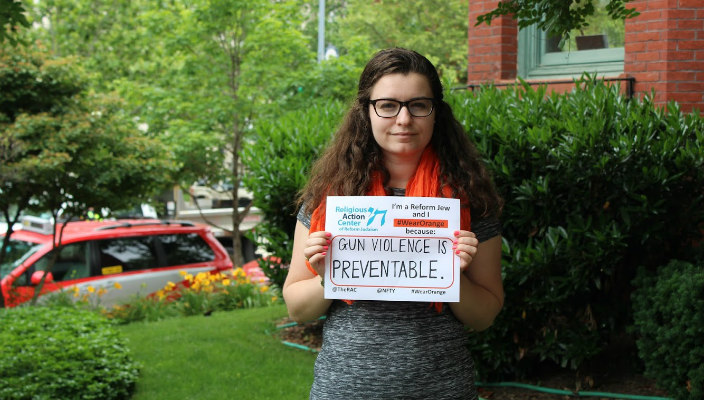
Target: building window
[{"x": 596, "y": 49}]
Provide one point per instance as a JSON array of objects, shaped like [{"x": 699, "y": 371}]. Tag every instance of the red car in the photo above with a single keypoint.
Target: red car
[{"x": 117, "y": 259}]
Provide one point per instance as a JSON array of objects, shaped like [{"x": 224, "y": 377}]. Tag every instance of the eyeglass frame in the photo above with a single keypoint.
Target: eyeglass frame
[{"x": 404, "y": 104}]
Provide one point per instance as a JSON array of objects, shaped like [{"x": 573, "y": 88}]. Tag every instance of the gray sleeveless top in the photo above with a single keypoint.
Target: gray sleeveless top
[{"x": 395, "y": 350}]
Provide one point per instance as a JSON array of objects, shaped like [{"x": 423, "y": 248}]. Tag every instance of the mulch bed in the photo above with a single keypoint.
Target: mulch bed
[{"x": 607, "y": 377}]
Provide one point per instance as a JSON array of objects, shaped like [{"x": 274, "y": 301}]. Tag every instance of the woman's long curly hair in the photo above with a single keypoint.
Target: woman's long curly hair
[{"x": 347, "y": 165}]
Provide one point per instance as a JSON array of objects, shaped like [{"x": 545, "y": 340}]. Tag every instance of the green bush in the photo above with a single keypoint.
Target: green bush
[
  {"x": 62, "y": 353},
  {"x": 669, "y": 321},
  {"x": 278, "y": 162},
  {"x": 595, "y": 185}
]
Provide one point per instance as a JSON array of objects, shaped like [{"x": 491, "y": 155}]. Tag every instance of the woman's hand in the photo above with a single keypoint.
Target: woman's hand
[
  {"x": 465, "y": 246},
  {"x": 316, "y": 248}
]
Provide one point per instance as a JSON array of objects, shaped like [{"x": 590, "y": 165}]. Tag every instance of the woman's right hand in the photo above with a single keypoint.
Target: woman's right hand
[
  {"x": 316, "y": 248},
  {"x": 305, "y": 298}
]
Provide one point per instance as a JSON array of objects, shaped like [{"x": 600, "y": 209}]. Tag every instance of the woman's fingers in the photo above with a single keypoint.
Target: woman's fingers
[
  {"x": 465, "y": 246},
  {"x": 316, "y": 249}
]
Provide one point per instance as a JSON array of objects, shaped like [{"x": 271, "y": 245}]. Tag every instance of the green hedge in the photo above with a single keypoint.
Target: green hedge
[
  {"x": 595, "y": 185},
  {"x": 669, "y": 322},
  {"x": 62, "y": 353}
]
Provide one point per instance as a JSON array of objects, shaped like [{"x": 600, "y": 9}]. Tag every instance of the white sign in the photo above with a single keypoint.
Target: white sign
[{"x": 392, "y": 248}]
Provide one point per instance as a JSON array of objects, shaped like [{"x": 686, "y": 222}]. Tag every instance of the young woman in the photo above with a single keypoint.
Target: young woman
[{"x": 399, "y": 138}]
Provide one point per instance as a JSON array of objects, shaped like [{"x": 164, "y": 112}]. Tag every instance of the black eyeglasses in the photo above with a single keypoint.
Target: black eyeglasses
[{"x": 389, "y": 108}]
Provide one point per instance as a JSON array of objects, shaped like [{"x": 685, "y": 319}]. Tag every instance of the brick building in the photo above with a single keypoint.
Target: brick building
[{"x": 662, "y": 49}]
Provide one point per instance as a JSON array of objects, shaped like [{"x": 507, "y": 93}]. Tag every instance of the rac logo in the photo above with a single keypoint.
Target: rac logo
[{"x": 373, "y": 213}]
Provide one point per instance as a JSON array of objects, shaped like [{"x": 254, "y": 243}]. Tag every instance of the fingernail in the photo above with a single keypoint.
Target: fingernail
[
  {"x": 325, "y": 247},
  {"x": 456, "y": 252},
  {"x": 457, "y": 233},
  {"x": 328, "y": 234},
  {"x": 324, "y": 253},
  {"x": 328, "y": 242},
  {"x": 454, "y": 241}
]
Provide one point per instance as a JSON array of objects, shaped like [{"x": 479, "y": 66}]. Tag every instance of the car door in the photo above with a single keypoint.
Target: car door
[{"x": 142, "y": 265}]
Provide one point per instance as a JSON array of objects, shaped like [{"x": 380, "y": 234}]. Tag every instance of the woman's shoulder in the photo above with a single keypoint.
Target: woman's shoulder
[
  {"x": 304, "y": 216},
  {"x": 486, "y": 227}
]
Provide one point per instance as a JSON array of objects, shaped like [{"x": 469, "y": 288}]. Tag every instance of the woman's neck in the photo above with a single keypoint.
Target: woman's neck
[{"x": 401, "y": 169}]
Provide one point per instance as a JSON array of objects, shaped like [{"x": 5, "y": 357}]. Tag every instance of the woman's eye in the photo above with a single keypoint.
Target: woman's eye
[
  {"x": 420, "y": 106},
  {"x": 387, "y": 105}
]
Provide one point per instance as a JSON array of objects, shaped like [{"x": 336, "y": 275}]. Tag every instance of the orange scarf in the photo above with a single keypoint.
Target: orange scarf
[{"x": 425, "y": 182}]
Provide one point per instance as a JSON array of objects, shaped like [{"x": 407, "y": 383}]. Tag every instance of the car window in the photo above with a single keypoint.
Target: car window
[
  {"x": 70, "y": 263},
  {"x": 186, "y": 249},
  {"x": 126, "y": 254},
  {"x": 16, "y": 252}
]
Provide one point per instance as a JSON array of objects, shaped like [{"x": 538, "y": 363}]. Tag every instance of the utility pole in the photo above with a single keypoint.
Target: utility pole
[{"x": 321, "y": 30}]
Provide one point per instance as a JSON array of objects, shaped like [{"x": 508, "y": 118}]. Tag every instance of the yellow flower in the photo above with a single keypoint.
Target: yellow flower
[
  {"x": 170, "y": 285},
  {"x": 101, "y": 291},
  {"x": 188, "y": 277},
  {"x": 90, "y": 289},
  {"x": 264, "y": 288},
  {"x": 117, "y": 285},
  {"x": 160, "y": 294},
  {"x": 183, "y": 273},
  {"x": 274, "y": 298}
]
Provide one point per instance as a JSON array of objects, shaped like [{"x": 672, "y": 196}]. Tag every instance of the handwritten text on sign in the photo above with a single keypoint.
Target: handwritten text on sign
[{"x": 392, "y": 248}]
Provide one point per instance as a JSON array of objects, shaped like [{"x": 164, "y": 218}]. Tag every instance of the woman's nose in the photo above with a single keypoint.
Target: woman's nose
[{"x": 404, "y": 116}]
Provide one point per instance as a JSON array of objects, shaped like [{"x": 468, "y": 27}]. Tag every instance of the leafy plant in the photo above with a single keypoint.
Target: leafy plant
[
  {"x": 595, "y": 185},
  {"x": 63, "y": 353},
  {"x": 669, "y": 319},
  {"x": 278, "y": 162}
]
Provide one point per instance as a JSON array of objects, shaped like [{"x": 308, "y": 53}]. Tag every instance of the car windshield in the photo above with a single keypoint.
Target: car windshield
[{"x": 16, "y": 252}]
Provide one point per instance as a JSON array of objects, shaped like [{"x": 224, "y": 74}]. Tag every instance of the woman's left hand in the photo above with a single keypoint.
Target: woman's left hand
[{"x": 465, "y": 246}]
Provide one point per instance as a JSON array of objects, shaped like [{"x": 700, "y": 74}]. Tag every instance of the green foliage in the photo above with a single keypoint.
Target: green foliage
[
  {"x": 278, "y": 161},
  {"x": 11, "y": 16},
  {"x": 595, "y": 186},
  {"x": 669, "y": 321},
  {"x": 63, "y": 149},
  {"x": 435, "y": 28},
  {"x": 556, "y": 17},
  {"x": 62, "y": 353}
]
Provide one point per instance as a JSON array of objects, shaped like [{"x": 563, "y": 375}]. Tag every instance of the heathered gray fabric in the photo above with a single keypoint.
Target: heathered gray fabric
[
  {"x": 392, "y": 350},
  {"x": 395, "y": 350}
]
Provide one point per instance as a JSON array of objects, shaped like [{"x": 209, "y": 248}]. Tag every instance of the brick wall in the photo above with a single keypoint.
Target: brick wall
[
  {"x": 664, "y": 50},
  {"x": 493, "y": 50}
]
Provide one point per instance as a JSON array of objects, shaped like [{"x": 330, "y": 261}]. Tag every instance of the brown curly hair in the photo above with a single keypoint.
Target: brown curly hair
[{"x": 346, "y": 166}]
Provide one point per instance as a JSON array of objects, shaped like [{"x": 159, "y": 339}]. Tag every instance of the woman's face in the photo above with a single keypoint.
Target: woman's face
[{"x": 404, "y": 135}]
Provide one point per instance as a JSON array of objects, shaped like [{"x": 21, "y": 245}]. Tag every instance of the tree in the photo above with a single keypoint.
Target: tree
[
  {"x": 194, "y": 73},
  {"x": 434, "y": 28},
  {"x": 555, "y": 17},
  {"x": 62, "y": 150}
]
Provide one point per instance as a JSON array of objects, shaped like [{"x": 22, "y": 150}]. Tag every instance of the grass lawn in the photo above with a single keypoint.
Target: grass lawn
[{"x": 228, "y": 355}]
